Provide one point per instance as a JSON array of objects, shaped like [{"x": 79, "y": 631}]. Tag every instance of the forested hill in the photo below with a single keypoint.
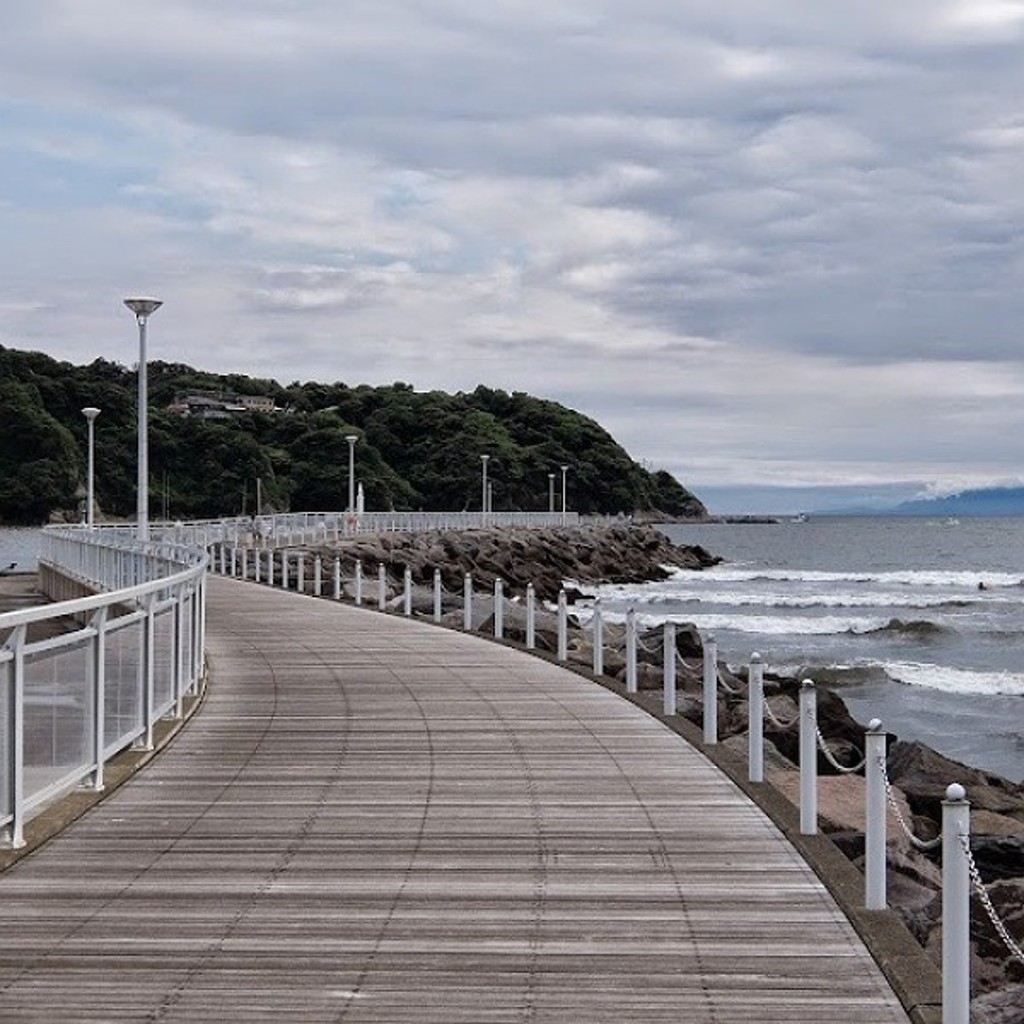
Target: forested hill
[{"x": 415, "y": 449}]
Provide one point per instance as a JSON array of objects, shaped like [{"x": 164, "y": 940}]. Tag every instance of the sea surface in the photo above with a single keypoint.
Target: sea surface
[
  {"x": 919, "y": 622},
  {"x": 20, "y": 544}
]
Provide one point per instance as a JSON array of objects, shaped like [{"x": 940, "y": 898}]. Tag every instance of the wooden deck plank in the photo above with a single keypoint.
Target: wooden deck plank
[{"x": 376, "y": 820}]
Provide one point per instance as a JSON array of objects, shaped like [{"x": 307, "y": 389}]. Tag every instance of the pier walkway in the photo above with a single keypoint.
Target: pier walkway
[{"x": 377, "y": 820}]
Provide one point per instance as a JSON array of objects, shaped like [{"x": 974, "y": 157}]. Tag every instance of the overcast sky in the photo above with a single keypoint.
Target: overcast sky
[{"x": 766, "y": 243}]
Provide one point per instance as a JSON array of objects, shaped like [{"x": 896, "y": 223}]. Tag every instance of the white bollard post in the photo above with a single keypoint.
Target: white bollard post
[
  {"x": 284, "y": 570},
  {"x": 243, "y": 562},
  {"x": 808, "y": 758},
  {"x": 669, "y": 663},
  {"x": 256, "y": 564},
  {"x": 563, "y": 626},
  {"x": 437, "y": 595},
  {"x": 499, "y": 609},
  {"x": 755, "y": 719},
  {"x": 598, "y": 638},
  {"x": 467, "y": 603},
  {"x": 956, "y": 908},
  {"x": 874, "y": 817},
  {"x": 300, "y": 583},
  {"x": 337, "y": 578},
  {"x": 270, "y": 568},
  {"x": 382, "y": 586},
  {"x": 234, "y": 562},
  {"x": 531, "y": 617},
  {"x": 407, "y": 591},
  {"x": 710, "y": 690},
  {"x": 359, "y": 581},
  {"x": 318, "y": 576},
  {"x": 630, "y": 651}
]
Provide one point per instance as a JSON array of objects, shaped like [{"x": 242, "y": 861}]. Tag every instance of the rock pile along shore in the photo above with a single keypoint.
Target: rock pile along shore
[{"x": 619, "y": 553}]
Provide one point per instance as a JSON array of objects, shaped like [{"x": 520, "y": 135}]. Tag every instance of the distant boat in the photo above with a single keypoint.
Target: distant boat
[
  {"x": 800, "y": 517},
  {"x": 952, "y": 521}
]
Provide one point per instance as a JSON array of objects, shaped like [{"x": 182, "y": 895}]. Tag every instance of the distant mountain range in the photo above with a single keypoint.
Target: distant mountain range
[{"x": 986, "y": 501}]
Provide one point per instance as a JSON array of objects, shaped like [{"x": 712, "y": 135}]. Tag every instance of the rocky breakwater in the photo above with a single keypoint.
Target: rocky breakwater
[{"x": 544, "y": 557}]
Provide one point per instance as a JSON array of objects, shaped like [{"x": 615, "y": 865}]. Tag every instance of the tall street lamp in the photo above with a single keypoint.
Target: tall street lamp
[
  {"x": 551, "y": 492},
  {"x": 90, "y": 413},
  {"x": 483, "y": 488},
  {"x": 351, "y": 438},
  {"x": 565, "y": 469},
  {"x": 143, "y": 309}
]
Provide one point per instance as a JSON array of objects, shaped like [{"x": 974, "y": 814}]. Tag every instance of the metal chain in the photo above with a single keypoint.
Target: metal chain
[
  {"x": 920, "y": 844},
  {"x": 1001, "y": 930},
  {"x": 778, "y": 722},
  {"x": 823, "y": 746}
]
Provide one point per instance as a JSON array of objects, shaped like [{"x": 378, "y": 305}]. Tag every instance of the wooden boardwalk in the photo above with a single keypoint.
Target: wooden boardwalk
[{"x": 374, "y": 819}]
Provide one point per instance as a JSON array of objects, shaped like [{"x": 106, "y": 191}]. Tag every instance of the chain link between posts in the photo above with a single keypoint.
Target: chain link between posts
[
  {"x": 920, "y": 844},
  {"x": 1001, "y": 930},
  {"x": 778, "y": 721},
  {"x": 823, "y": 747}
]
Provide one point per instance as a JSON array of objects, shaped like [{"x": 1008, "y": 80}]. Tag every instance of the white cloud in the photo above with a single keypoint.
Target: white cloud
[{"x": 767, "y": 243}]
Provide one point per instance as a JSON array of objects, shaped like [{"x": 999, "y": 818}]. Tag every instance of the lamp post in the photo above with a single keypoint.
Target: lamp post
[
  {"x": 143, "y": 308},
  {"x": 90, "y": 413},
  {"x": 351, "y": 438},
  {"x": 565, "y": 469},
  {"x": 551, "y": 492},
  {"x": 483, "y": 490}
]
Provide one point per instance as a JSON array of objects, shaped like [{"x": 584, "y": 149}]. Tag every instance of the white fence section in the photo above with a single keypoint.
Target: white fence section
[
  {"x": 959, "y": 871},
  {"x": 83, "y": 679}
]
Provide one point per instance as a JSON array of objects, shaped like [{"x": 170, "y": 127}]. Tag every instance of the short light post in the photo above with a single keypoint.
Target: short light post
[
  {"x": 90, "y": 413},
  {"x": 551, "y": 492},
  {"x": 565, "y": 469},
  {"x": 351, "y": 438},
  {"x": 143, "y": 308},
  {"x": 483, "y": 490}
]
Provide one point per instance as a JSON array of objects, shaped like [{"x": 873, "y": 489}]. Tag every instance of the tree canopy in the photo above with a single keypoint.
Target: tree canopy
[{"x": 416, "y": 450}]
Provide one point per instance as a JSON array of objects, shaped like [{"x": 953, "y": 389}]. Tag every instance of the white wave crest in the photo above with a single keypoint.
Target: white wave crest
[
  {"x": 902, "y": 577},
  {"x": 955, "y": 680},
  {"x": 777, "y": 599},
  {"x": 772, "y": 624}
]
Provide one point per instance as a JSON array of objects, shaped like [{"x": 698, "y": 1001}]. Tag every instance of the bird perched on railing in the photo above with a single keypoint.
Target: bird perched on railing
[{"x": 10, "y": 568}]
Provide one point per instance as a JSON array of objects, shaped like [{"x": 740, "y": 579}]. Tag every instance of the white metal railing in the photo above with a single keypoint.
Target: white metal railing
[
  {"x": 958, "y": 866},
  {"x": 81, "y": 680}
]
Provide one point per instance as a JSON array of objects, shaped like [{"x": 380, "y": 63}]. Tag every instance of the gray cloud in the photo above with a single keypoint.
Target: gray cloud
[{"x": 758, "y": 243}]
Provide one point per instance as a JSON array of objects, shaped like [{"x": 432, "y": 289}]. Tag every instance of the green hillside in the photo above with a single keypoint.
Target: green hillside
[{"x": 416, "y": 449}]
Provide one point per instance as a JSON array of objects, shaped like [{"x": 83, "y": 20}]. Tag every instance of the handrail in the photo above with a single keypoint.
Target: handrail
[{"x": 76, "y": 697}]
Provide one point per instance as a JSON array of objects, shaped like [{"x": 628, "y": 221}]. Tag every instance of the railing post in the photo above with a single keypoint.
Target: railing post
[
  {"x": 597, "y": 636},
  {"x": 563, "y": 626},
  {"x": 755, "y": 719},
  {"x": 437, "y": 595},
  {"x": 16, "y": 738},
  {"x": 669, "y": 664},
  {"x": 956, "y": 910},
  {"x": 382, "y": 586},
  {"x": 284, "y": 569},
  {"x": 234, "y": 563},
  {"x": 407, "y": 591},
  {"x": 145, "y": 741},
  {"x": 300, "y": 577},
  {"x": 270, "y": 567},
  {"x": 631, "y": 651},
  {"x": 318, "y": 576},
  {"x": 98, "y": 667},
  {"x": 256, "y": 562},
  {"x": 243, "y": 563},
  {"x": 808, "y": 758},
  {"x": 337, "y": 578},
  {"x": 710, "y": 690},
  {"x": 467, "y": 602},
  {"x": 499, "y": 609},
  {"x": 531, "y": 617},
  {"x": 874, "y": 817},
  {"x": 359, "y": 581}
]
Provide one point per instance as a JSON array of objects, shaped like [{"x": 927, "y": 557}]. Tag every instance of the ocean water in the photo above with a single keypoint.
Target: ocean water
[
  {"x": 919, "y": 622},
  {"x": 20, "y": 544}
]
